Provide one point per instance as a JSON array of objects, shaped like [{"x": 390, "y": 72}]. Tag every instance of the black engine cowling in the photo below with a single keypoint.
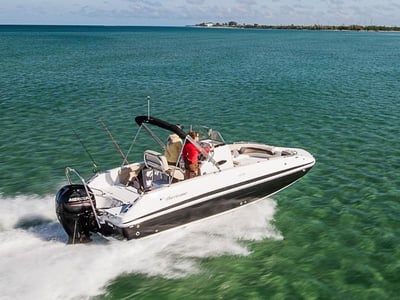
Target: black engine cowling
[{"x": 75, "y": 213}]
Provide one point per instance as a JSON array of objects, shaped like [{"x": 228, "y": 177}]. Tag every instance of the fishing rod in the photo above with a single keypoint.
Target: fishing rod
[
  {"x": 148, "y": 107},
  {"x": 115, "y": 142},
  {"x": 95, "y": 166}
]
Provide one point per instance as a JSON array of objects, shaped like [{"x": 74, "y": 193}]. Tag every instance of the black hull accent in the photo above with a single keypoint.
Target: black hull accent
[{"x": 210, "y": 207}]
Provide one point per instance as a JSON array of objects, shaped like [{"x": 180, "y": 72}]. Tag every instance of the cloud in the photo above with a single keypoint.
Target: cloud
[
  {"x": 195, "y": 2},
  {"x": 183, "y": 12}
]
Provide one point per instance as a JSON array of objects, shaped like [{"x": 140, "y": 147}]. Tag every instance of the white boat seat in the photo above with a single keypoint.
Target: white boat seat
[
  {"x": 157, "y": 161},
  {"x": 176, "y": 173},
  {"x": 258, "y": 150}
]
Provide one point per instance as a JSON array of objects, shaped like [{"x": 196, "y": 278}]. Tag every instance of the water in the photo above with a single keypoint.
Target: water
[{"x": 332, "y": 235}]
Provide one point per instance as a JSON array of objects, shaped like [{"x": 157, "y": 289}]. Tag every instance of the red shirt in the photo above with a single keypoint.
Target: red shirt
[{"x": 190, "y": 153}]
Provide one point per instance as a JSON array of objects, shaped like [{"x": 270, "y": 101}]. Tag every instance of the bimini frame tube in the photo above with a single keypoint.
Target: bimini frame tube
[
  {"x": 141, "y": 120},
  {"x": 158, "y": 141},
  {"x": 68, "y": 170}
]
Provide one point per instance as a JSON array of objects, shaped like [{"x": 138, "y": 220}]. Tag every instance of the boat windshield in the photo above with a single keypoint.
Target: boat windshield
[{"x": 206, "y": 133}]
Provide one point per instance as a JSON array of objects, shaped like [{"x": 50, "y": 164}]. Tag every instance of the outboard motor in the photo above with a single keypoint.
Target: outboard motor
[{"x": 75, "y": 212}]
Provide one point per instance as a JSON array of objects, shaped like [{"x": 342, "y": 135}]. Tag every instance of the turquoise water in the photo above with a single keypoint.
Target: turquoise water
[{"x": 332, "y": 235}]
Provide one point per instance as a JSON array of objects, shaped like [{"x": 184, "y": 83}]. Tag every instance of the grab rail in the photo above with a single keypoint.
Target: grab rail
[{"x": 68, "y": 170}]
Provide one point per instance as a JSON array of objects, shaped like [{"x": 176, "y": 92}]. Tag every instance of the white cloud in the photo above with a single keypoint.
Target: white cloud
[{"x": 183, "y": 12}]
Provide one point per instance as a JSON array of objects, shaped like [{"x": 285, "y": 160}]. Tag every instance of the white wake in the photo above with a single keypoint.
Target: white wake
[{"x": 36, "y": 263}]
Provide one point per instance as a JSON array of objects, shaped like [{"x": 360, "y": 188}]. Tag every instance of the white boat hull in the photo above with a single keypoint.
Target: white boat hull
[
  {"x": 148, "y": 197},
  {"x": 206, "y": 205}
]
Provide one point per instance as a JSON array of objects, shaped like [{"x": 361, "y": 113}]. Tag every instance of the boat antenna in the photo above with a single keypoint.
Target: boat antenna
[
  {"x": 148, "y": 107},
  {"x": 115, "y": 142}
]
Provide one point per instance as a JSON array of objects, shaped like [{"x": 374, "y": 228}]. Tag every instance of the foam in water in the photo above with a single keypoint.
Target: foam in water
[{"x": 36, "y": 263}]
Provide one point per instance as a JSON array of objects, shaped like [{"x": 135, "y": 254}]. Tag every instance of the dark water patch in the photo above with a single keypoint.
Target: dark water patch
[{"x": 28, "y": 222}]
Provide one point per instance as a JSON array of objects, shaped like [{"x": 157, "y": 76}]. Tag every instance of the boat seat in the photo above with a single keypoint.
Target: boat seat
[
  {"x": 176, "y": 173},
  {"x": 157, "y": 161},
  {"x": 251, "y": 150},
  {"x": 127, "y": 173}
]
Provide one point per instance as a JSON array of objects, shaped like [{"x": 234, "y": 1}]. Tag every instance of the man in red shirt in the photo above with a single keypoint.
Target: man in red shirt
[{"x": 190, "y": 155}]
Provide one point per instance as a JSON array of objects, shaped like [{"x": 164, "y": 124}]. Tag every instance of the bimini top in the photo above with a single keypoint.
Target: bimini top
[{"x": 160, "y": 123}]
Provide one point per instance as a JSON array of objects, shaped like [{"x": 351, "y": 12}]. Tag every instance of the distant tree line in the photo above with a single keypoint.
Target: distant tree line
[{"x": 233, "y": 24}]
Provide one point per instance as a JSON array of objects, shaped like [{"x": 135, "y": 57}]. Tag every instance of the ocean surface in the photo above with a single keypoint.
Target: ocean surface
[{"x": 335, "y": 234}]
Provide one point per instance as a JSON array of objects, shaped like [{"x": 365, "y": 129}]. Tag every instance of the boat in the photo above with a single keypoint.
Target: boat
[{"x": 135, "y": 200}]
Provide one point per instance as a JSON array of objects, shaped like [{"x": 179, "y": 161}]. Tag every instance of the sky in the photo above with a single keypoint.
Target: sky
[{"x": 190, "y": 12}]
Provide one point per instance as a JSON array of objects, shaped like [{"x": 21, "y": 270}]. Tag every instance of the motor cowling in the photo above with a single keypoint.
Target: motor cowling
[{"x": 75, "y": 212}]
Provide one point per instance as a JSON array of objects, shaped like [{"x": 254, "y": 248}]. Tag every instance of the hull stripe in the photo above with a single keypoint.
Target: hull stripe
[
  {"x": 217, "y": 191},
  {"x": 210, "y": 207}
]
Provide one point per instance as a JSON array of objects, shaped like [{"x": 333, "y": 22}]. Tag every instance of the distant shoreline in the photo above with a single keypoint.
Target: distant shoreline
[
  {"x": 233, "y": 24},
  {"x": 230, "y": 25}
]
